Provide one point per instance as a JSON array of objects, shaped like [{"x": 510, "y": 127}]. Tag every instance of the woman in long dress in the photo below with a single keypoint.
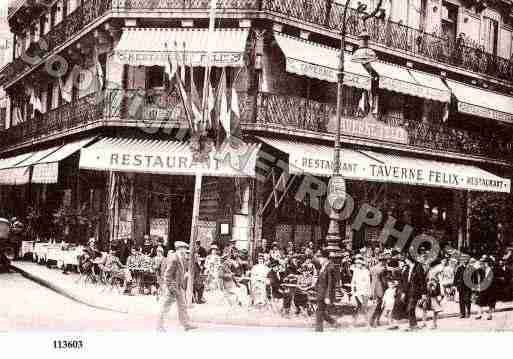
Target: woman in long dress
[{"x": 259, "y": 282}]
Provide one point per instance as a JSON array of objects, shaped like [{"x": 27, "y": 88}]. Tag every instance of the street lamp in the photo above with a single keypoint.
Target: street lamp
[{"x": 337, "y": 187}]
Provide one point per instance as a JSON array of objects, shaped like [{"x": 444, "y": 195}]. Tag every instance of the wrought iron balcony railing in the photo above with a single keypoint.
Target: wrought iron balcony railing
[
  {"x": 290, "y": 112},
  {"x": 458, "y": 52},
  {"x": 152, "y": 110},
  {"x": 84, "y": 111}
]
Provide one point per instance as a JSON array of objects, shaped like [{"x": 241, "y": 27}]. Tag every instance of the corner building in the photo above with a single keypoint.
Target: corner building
[{"x": 426, "y": 129}]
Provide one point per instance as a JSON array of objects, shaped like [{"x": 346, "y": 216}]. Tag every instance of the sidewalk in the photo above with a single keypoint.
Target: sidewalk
[{"x": 214, "y": 311}]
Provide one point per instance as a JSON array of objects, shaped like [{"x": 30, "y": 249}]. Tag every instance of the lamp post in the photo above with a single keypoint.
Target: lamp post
[{"x": 337, "y": 187}]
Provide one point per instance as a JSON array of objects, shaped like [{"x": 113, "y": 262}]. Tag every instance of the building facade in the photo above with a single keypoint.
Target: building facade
[{"x": 98, "y": 138}]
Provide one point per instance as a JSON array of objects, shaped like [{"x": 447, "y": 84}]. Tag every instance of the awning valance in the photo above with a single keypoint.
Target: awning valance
[
  {"x": 308, "y": 59},
  {"x": 317, "y": 160},
  {"x": 483, "y": 103},
  {"x": 157, "y": 46},
  {"x": 168, "y": 157},
  {"x": 47, "y": 169},
  {"x": 411, "y": 82}
]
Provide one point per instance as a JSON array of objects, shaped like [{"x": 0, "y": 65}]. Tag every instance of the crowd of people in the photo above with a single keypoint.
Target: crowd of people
[{"x": 380, "y": 286}]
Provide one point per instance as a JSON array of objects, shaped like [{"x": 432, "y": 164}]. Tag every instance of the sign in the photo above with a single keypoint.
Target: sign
[
  {"x": 194, "y": 59},
  {"x": 372, "y": 166},
  {"x": 159, "y": 227},
  {"x": 169, "y": 157},
  {"x": 337, "y": 192},
  {"x": 326, "y": 73},
  {"x": 371, "y": 129},
  {"x": 125, "y": 229}
]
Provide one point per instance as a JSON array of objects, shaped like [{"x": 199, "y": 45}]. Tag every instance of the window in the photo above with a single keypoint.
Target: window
[
  {"x": 449, "y": 20},
  {"x": 490, "y": 35},
  {"x": 155, "y": 77}
]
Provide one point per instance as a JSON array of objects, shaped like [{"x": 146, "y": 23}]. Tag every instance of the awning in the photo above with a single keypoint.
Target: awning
[
  {"x": 308, "y": 59},
  {"x": 168, "y": 157},
  {"x": 483, "y": 103},
  {"x": 10, "y": 176},
  {"x": 19, "y": 173},
  {"x": 411, "y": 82},
  {"x": 156, "y": 46},
  {"x": 45, "y": 163},
  {"x": 47, "y": 169},
  {"x": 317, "y": 160}
]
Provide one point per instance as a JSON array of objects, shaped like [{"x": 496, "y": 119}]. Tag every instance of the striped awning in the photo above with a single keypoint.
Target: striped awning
[
  {"x": 44, "y": 164},
  {"x": 411, "y": 82},
  {"x": 46, "y": 170},
  {"x": 482, "y": 103},
  {"x": 168, "y": 157},
  {"x": 157, "y": 46},
  {"x": 19, "y": 173},
  {"x": 309, "y": 59},
  {"x": 317, "y": 160}
]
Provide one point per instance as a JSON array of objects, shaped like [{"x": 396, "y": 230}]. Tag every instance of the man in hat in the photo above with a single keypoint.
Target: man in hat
[
  {"x": 379, "y": 280},
  {"x": 230, "y": 250},
  {"x": 414, "y": 288},
  {"x": 202, "y": 252},
  {"x": 464, "y": 289},
  {"x": 174, "y": 282},
  {"x": 325, "y": 288}
]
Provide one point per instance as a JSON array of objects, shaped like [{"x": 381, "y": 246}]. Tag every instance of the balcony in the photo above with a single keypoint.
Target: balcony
[
  {"x": 294, "y": 113},
  {"x": 456, "y": 52},
  {"x": 155, "y": 110}
]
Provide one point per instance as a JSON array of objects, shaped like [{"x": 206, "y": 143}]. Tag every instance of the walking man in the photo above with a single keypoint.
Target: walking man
[
  {"x": 464, "y": 289},
  {"x": 379, "y": 281},
  {"x": 173, "y": 280},
  {"x": 414, "y": 288},
  {"x": 325, "y": 288}
]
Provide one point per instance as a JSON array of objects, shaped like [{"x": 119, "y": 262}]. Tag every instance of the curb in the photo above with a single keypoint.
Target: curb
[{"x": 59, "y": 290}]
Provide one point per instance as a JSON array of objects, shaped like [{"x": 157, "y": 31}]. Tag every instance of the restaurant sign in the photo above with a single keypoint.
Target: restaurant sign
[
  {"x": 173, "y": 158},
  {"x": 371, "y": 129},
  {"x": 371, "y": 166}
]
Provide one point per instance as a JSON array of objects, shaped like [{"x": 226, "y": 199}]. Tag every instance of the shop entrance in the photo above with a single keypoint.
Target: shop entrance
[{"x": 170, "y": 204}]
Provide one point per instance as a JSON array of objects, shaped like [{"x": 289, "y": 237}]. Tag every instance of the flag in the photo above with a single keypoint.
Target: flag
[
  {"x": 195, "y": 100},
  {"x": 182, "y": 92},
  {"x": 18, "y": 118},
  {"x": 235, "y": 111},
  {"x": 67, "y": 86},
  {"x": 222, "y": 108},
  {"x": 235, "y": 106},
  {"x": 363, "y": 104},
  {"x": 99, "y": 74},
  {"x": 211, "y": 104},
  {"x": 35, "y": 102}
]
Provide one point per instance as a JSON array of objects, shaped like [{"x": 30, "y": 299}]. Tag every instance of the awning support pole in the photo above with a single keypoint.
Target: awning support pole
[{"x": 194, "y": 234}]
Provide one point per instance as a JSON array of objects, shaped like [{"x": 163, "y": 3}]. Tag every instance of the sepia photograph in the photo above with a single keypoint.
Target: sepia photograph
[{"x": 184, "y": 167}]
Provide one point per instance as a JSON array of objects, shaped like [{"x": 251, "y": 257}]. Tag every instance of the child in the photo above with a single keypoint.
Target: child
[
  {"x": 433, "y": 302},
  {"x": 389, "y": 299}
]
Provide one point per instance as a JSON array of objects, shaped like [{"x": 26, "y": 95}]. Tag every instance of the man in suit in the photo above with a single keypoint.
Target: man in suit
[
  {"x": 379, "y": 282},
  {"x": 464, "y": 290},
  {"x": 325, "y": 287},
  {"x": 174, "y": 282},
  {"x": 414, "y": 288}
]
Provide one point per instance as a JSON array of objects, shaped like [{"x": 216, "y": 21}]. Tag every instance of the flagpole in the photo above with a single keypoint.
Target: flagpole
[{"x": 199, "y": 178}]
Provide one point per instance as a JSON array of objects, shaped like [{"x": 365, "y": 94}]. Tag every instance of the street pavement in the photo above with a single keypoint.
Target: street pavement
[{"x": 26, "y": 305}]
